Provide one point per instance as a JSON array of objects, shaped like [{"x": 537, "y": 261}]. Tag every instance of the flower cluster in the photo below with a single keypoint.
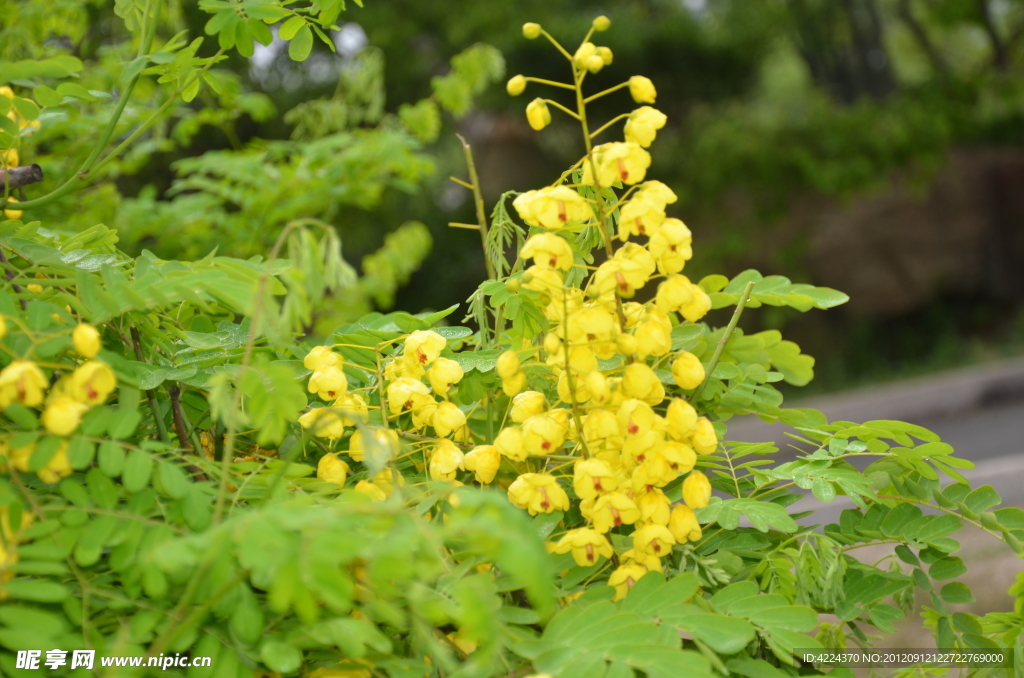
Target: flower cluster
[
  {"x": 596, "y": 416},
  {"x": 23, "y": 382}
]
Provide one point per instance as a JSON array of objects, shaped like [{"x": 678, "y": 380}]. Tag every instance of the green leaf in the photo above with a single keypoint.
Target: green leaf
[
  {"x": 792, "y": 617},
  {"x": 111, "y": 458},
  {"x": 289, "y": 28},
  {"x": 301, "y": 45},
  {"x": 172, "y": 480},
  {"x": 280, "y": 657},
  {"x": 956, "y": 593},
  {"x": 725, "y": 635},
  {"x": 982, "y": 499},
  {"x": 137, "y": 469},
  {"x": 36, "y": 591},
  {"x": 949, "y": 567}
]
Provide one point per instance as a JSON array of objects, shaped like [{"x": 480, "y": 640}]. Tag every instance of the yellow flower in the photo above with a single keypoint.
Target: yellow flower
[
  {"x": 687, "y": 371},
  {"x": 423, "y": 414},
  {"x": 592, "y": 477},
  {"x": 699, "y": 305},
  {"x": 548, "y": 251},
  {"x": 383, "y": 441},
  {"x": 545, "y": 281},
  {"x": 531, "y": 30},
  {"x": 640, "y": 382},
  {"x": 635, "y": 417},
  {"x": 642, "y": 90},
  {"x": 601, "y": 430},
  {"x": 643, "y": 125},
  {"x": 3, "y": 327},
  {"x": 92, "y": 382},
  {"x": 671, "y": 246},
  {"x": 639, "y": 217},
  {"x": 682, "y": 419},
  {"x": 680, "y": 457},
  {"x": 683, "y": 524},
  {"x": 645, "y": 560},
  {"x": 10, "y": 157},
  {"x": 321, "y": 356},
  {"x": 514, "y": 384},
  {"x": 510, "y": 443},
  {"x": 444, "y": 374},
  {"x": 370, "y": 490},
  {"x": 623, "y": 578},
  {"x": 655, "y": 471},
  {"x": 593, "y": 324},
  {"x": 324, "y": 422},
  {"x": 612, "y": 510},
  {"x": 673, "y": 293},
  {"x": 552, "y": 208},
  {"x": 466, "y": 645},
  {"x": 407, "y": 394},
  {"x": 703, "y": 438},
  {"x": 654, "y": 334},
  {"x": 516, "y": 85},
  {"x": 656, "y": 192},
  {"x": 542, "y": 435},
  {"x": 445, "y": 460},
  {"x": 86, "y": 340},
  {"x": 387, "y": 479},
  {"x": 538, "y": 493},
  {"x": 63, "y": 415},
  {"x": 696, "y": 490},
  {"x": 483, "y": 461},
  {"x": 586, "y": 545},
  {"x": 423, "y": 347},
  {"x": 352, "y": 407},
  {"x": 654, "y": 539},
  {"x": 627, "y": 271},
  {"x": 627, "y": 344},
  {"x": 332, "y": 469},
  {"x": 578, "y": 393},
  {"x": 58, "y": 467},
  {"x": 448, "y": 418},
  {"x": 602, "y": 23},
  {"x": 617, "y": 162},
  {"x": 537, "y": 114},
  {"x": 508, "y": 364},
  {"x": 606, "y": 55},
  {"x": 654, "y": 507},
  {"x": 597, "y": 386},
  {"x": 22, "y": 382},
  {"x": 526, "y": 405},
  {"x": 14, "y": 215},
  {"x": 328, "y": 382}
]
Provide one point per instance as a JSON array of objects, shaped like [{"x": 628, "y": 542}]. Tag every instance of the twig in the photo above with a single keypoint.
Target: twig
[
  {"x": 160, "y": 426},
  {"x": 740, "y": 305}
]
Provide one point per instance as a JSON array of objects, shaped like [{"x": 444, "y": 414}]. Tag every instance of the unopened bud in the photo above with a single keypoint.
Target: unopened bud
[
  {"x": 531, "y": 30},
  {"x": 537, "y": 114},
  {"x": 602, "y": 23},
  {"x": 516, "y": 85}
]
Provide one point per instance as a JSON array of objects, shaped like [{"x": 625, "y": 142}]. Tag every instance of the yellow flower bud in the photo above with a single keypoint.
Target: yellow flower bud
[
  {"x": 12, "y": 214},
  {"x": 538, "y": 493},
  {"x": 594, "y": 63},
  {"x": 444, "y": 374},
  {"x": 696, "y": 490},
  {"x": 548, "y": 251},
  {"x": 22, "y": 382},
  {"x": 370, "y": 490},
  {"x": 627, "y": 344},
  {"x": 698, "y": 306},
  {"x": 597, "y": 385},
  {"x": 445, "y": 460},
  {"x": 673, "y": 293},
  {"x": 448, "y": 418},
  {"x": 670, "y": 245},
  {"x": 514, "y": 384},
  {"x": 422, "y": 347},
  {"x": 10, "y": 157},
  {"x": 531, "y": 30},
  {"x": 602, "y": 23},
  {"x": 542, "y": 435},
  {"x": 516, "y": 85},
  {"x": 682, "y": 419},
  {"x": 593, "y": 477},
  {"x": 510, "y": 443},
  {"x": 3, "y": 326},
  {"x": 680, "y": 457},
  {"x": 642, "y": 90},
  {"x": 654, "y": 506},
  {"x": 63, "y": 415},
  {"x": 587, "y": 546},
  {"x": 639, "y": 381},
  {"x": 654, "y": 334},
  {"x": 583, "y": 53},
  {"x": 483, "y": 461},
  {"x": 86, "y": 340},
  {"x": 617, "y": 162},
  {"x": 683, "y": 524},
  {"x": 605, "y": 54},
  {"x": 58, "y": 467},
  {"x": 332, "y": 469},
  {"x": 687, "y": 371},
  {"x": 508, "y": 364},
  {"x": 537, "y": 114},
  {"x": 526, "y": 405},
  {"x": 321, "y": 356}
]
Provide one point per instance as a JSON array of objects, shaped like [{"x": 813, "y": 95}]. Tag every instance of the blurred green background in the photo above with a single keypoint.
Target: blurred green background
[{"x": 874, "y": 146}]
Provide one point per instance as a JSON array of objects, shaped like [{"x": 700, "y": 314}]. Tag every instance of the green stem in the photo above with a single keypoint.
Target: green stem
[
  {"x": 549, "y": 82},
  {"x": 478, "y": 200},
  {"x": 740, "y": 305},
  {"x": 562, "y": 108},
  {"x": 595, "y": 133},
  {"x": 607, "y": 91},
  {"x": 83, "y": 172}
]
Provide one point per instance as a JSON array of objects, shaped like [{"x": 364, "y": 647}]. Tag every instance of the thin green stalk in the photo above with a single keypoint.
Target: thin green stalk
[
  {"x": 740, "y": 305},
  {"x": 478, "y": 200},
  {"x": 83, "y": 173}
]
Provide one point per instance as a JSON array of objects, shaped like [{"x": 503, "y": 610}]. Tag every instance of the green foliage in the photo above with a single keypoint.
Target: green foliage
[{"x": 166, "y": 489}]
